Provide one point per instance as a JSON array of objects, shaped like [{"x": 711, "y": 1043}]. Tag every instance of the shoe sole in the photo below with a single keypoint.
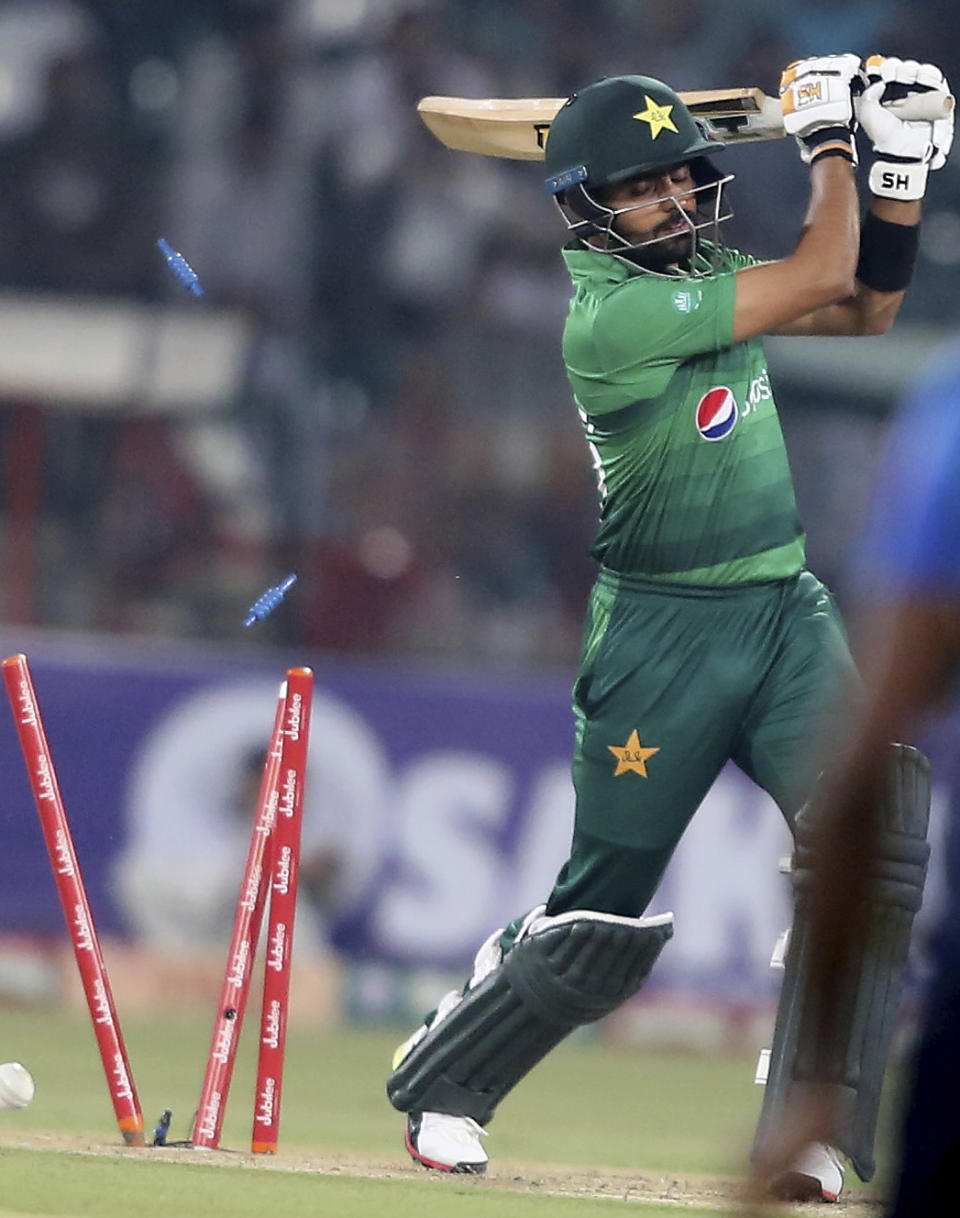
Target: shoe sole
[
  {"x": 795, "y": 1186},
  {"x": 461, "y": 1169}
]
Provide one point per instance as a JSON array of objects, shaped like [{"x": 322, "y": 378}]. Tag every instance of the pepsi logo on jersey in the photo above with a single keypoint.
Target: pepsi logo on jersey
[{"x": 717, "y": 413}]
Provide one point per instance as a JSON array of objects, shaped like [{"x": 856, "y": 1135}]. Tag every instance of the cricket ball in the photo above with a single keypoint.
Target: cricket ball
[{"x": 16, "y": 1085}]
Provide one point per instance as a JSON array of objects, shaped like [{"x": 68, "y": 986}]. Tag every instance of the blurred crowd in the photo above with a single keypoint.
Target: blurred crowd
[{"x": 404, "y": 438}]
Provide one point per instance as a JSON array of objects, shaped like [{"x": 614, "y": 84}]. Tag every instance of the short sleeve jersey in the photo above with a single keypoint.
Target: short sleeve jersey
[{"x": 694, "y": 481}]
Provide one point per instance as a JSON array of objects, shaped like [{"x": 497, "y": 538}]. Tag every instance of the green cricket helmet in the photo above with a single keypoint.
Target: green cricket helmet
[{"x": 620, "y": 128}]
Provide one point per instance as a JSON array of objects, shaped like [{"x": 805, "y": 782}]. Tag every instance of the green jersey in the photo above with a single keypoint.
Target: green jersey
[{"x": 695, "y": 486}]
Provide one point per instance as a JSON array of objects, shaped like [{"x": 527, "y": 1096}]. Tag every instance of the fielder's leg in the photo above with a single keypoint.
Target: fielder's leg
[
  {"x": 857, "y": 1059},
  {"x": 930, "y": 1139}
]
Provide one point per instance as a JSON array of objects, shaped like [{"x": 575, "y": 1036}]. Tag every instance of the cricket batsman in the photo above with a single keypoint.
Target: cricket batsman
[{"x": 707, "y": 640}]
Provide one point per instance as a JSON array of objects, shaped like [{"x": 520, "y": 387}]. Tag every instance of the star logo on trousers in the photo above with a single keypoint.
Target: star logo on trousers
[{"x": 633, "y": 757}]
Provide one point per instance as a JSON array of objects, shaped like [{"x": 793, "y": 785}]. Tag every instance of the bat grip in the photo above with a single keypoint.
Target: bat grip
[{"x": 922, "y": 107}]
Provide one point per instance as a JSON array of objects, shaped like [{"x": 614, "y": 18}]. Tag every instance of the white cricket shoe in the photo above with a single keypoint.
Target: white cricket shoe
[
  {"x": 446, "y": 1143},
  {"x": 817, "y": 1175}
]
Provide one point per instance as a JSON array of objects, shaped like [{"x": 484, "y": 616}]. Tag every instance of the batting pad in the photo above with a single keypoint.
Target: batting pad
[
  {"x": 856, "y": 1062},
  {"x": 567, "y": 971}
]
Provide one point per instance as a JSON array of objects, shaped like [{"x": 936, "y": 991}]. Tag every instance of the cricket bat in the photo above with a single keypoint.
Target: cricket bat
[{"x": 516, "y": 128}]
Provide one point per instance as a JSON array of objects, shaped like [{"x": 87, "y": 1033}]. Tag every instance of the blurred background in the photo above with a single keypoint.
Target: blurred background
[{"x": 369, "y": 394}]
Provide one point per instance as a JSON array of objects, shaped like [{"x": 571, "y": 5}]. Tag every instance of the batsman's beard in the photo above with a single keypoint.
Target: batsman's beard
[
  {"x": 667, "y": 244},
  {"x": 674, "y": 244}
]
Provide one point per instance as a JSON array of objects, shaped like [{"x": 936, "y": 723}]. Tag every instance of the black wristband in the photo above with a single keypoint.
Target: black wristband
[
  {"x": 830, "y": 141},
  {"x": 825, "y": 150},
  {"x": 888, "y": 253}
]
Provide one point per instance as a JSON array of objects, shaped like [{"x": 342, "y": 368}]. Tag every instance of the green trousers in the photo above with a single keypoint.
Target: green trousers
[{"x": 674, "y": 682}]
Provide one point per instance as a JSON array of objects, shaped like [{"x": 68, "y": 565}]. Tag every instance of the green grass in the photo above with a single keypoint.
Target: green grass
[
  {"x": 654, "y": 1113},
  {"x": 110, "y": 1188},
  {"x": 584, "y": 1105}
]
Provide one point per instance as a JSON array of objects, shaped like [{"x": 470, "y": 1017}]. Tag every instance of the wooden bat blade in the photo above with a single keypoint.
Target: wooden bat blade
[{"x": 516, "y": 128}]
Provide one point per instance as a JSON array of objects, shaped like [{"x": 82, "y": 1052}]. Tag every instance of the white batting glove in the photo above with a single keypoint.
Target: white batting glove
[
  {"x": 904, "y": 151},
  {"x": 817, "y": 104}
]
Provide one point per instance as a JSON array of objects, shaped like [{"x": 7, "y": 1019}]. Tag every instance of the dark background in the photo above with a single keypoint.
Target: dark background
[{"x": 402, "y": 435}]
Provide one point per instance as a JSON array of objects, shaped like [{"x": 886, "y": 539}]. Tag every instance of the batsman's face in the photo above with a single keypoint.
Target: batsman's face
[{"x": 652, "y": 208}]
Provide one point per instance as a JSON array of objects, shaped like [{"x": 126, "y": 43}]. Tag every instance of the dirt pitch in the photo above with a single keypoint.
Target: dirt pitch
[{"x": 548, "y": 1179}]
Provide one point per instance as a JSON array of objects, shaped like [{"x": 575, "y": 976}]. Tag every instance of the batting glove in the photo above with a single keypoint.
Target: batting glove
[
  {"x": 817, "y": 103},
  {"x": 904, "y": 152}
]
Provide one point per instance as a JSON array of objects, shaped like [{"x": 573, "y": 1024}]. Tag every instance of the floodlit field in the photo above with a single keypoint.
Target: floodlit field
[{"x": 592, "y": 1131}]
